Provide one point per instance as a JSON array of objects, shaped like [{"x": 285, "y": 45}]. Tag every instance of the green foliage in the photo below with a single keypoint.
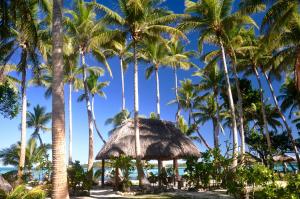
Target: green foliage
[
  {"x": 211, "y": 166},
  {"x": 20, "y": 192},
  {"x": 78, "y": 179},
  {"x": 126, "y": 165},
  {"x": 9, "y": 101}
]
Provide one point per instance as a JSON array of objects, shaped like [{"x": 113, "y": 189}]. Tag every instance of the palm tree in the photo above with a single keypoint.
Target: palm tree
[
  {"x": 206, "y": 109},
  {"x": 59, "y": 175},
  {"x": 38, "y": 119},
  {"x": 251, "y": 57},
  {"x": 181, "y": 61},
  {"x": 281, "y": 22},
  {"x": 89, "y": 35},
  {"x": 155, "y": 53},
  {"x": 34, "y": 154},
  {"x": 95, "y": 88},
  {"x": 214, "y": 24},
  {"x": 141, "y": 19},
  {"x": 119, "y": 47},
  {"x": 211, "y": 80},
  {"x": 21, "y": 38},
  {"x": 187, "y": 95},
  {"x": 71, "y": 77}
]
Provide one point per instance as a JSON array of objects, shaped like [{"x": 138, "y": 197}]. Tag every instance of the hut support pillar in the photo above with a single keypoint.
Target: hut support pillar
[
  {"x": 102, "y": 172},
  {"x": 159, "y": 165},
  {"x": 117, "y": 178},
  {"x": 175, "y": 169}
]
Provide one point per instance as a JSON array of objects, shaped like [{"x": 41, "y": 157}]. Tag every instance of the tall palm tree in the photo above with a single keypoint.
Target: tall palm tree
[
  {"x": 120, "y": 48},
  {"x": 214, "y": 24},
  {"x": 155, "y": 53},
  {"x": 89, "y": 35},
  {"x": 72, "y": 78},
  {"x": 38, "y": 120},
  {"x": 182, "y": 60},
  {"x": 251, "y": 57},
  {"x": 141, "y": 19},
  {"x": 59, "y": 175}
]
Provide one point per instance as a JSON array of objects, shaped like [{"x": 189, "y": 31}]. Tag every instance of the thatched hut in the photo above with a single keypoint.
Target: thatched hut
[{"x": 160, "y": 140}]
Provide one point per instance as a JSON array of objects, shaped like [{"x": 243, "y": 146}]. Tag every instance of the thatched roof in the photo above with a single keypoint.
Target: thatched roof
[
  {"x": 283, "y": 158},
  {"x": 159, "y": 140}
]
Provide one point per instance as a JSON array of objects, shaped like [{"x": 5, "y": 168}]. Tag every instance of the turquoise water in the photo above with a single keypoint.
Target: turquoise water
[{"x": 38, "y": 175}]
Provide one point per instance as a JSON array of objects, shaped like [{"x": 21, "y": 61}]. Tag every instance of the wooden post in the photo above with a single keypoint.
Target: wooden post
[
  {"x": 117, "y": 178},
  {"x": 102, "y": 172},
  {"x": 175, "y": 169},
  {"x": 159, "y": 165}
]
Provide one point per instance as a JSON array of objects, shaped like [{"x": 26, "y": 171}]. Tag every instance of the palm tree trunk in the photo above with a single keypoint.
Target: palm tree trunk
[
  {"x": 240, "y": 112},
  {"x": 94, "y": 121},
  {"x": 176, "y": 94},
  {"x": 136, "y": 118},
  {"x": 232, "y": 110},
  {"x": 289, "y": 131},
  {"x": 216, "y": 133},
  {"x": 297, "y": 69},
  {"x": 70, "y": 124},
  {"x": 263, "y": 111},
  {"x": 59, "y": 175},
  {"x": 89, "y": 112},
  {"x": 123, "y": 85},
  {"x": 217, "y": 121},
  {"x": 23, "y": 127},
  {"x": 157, "y": 93}
]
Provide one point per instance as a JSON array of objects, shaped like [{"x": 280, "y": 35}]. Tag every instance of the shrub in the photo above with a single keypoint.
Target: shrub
[{"x": 79, "y": 180}]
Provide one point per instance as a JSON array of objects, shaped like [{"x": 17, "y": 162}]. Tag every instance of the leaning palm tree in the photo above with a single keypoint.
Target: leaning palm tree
[
  {"x": 89, "y": 34},
  {"x": 95, "y": 88},
  {"x": 38, "y": 120},
  {"x": 141, "y": 19},
  {"x": 59, "y": 170},
  {"x": 214, "y": 24}
]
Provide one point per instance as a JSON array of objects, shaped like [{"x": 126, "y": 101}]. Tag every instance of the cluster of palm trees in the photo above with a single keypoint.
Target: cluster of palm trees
[{"x": 144, "y": 31}]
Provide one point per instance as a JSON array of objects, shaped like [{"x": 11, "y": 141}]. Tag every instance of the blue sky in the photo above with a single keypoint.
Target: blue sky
[{"x": 105, "y": 108}]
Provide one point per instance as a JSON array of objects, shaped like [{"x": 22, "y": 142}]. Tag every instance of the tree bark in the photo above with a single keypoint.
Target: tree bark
[
  {"x": 176, "y": 94},
  {"x": 95, "y": 123},
  {"x": 217, "y": 121},
  {"x": 136, "y": 118},
  {"x": 59, "y": 175},
  {"x": 288, "y": 129},
  {"x": 23, "y": 127},
  {"x": 89, "y": 112},
  {"x": 123, "y": 85},
  {"x": 70, "y": 123},
  {"x": 263, "y": 111},
  {"x": 297, "y": 69},
  {"x": 232, "y": 110},
  {"x": 157, "y": 93},
  {"x": 240, "y": 111}
]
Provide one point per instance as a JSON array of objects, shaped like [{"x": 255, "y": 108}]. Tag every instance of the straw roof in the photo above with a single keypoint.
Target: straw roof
[
  {"x": 160, "y": 140},
  {"x": 283, "y": 158}
]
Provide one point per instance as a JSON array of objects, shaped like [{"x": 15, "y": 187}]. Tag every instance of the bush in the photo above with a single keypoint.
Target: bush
[
  {"x": 80, "y": 181},
  {"x": 20, "y": 192}
]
